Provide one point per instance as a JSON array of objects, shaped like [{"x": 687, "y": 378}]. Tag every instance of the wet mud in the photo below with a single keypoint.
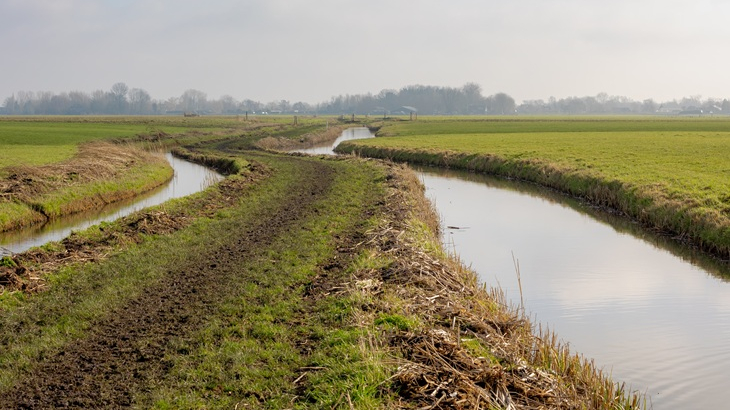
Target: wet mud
[{"x": 125, "y": 353}]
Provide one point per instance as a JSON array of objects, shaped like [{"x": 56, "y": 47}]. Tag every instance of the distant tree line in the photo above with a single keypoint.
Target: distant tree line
[
  {"x": 427, "y": 100},
  {"x": 421, "y": 99},
  {"x": 122, "y": 100},
  {"x": 606, "y": 104}
]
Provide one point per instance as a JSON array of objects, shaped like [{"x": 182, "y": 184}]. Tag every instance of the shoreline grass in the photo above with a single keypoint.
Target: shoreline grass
[
  {"x": 101, "y": 173},
  {"x": 447, "y": 328},
  {"x": 673, "y": 181}
]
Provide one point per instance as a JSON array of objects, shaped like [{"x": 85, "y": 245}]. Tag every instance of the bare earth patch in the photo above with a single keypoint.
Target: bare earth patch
[
  {"x": 27, "y": 270},
  {"x": 125, "y": 352},
  {"x": 95, "y": 162}
]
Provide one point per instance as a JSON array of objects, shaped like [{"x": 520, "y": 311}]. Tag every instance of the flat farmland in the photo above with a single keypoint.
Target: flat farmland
[{"x": 46, "y": 140}]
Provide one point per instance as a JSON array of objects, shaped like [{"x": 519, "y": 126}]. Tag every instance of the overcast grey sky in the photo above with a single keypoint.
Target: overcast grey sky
[{"x": 311, "y": 50}]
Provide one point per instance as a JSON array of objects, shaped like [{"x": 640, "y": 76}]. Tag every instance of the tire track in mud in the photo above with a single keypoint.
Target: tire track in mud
[{"x": 124, "y": 353}]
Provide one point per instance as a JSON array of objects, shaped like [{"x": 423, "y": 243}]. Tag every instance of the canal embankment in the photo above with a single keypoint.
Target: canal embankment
[
  {"x": 684, "y": 219},
  {"x": 101, "y": 173},
  {"x": 322, "y": 283}
]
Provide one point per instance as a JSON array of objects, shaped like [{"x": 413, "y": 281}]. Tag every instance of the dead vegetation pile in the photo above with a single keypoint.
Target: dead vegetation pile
[
  {"x": 50, "y": 191},
  {"x": 305, "y": 141},
  {"x": 469, "y": 349},
  {"x": 94, "y": 162},
  {"x": 26, "y": 271}
]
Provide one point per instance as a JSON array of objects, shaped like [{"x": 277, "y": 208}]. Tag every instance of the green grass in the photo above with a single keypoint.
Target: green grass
[
  {"x": 13, "y": 214},
  {"x": 522, "y": 124},
  {"x": 245, "y": 347},
  {"x": 49, "y": 139},
  {"x": 137, "y": 180},
  {"x": 670, "y": 173},
  {"x": 38, "y": 143}
]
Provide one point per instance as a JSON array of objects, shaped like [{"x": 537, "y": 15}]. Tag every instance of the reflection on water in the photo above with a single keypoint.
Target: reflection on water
[
  {"x": 356, "y": 133},
  {"x": 620, "y": 224},
  {"x": 188, "y": 179},
  {"x": 648, "y": 316}
]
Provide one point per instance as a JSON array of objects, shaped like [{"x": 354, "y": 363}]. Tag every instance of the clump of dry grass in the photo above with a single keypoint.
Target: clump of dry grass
[
  {"x": 469, "y": 349},
  {"x": 29, "y": 268},
  {"x": 305, "y": 141},
  {"x": 94, "y": 162}
]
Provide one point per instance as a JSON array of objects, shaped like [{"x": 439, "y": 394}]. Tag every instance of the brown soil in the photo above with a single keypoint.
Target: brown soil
[
  {"x": 125, "y": 352},
  {"x": 27, "y": 270},
  {"x": 96, "y": 161},
  {"x": 471, "y": 350}
]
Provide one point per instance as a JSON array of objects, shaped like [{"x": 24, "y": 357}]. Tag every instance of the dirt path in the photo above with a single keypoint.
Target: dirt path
[{"x": 125, "y": 353}]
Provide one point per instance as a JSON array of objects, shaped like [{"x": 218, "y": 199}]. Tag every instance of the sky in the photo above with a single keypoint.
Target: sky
[{"x": 310, "y": 51}]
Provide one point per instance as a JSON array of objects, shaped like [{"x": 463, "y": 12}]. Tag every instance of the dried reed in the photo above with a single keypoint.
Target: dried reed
[{"x": 471, "y": 350}]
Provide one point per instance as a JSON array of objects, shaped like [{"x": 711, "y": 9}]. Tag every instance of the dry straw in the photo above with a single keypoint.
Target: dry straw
[{"x": 470, "y": 349}]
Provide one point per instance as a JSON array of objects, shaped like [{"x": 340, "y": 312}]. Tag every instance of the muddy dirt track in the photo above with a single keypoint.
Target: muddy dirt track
[{"x": 124, "y": 353}]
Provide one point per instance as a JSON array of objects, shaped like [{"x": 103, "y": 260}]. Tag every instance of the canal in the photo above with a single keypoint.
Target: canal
[{"x": 651, "y": 313}]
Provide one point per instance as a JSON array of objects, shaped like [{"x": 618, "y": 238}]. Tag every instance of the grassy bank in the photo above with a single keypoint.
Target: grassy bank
[
  {"x": 99, "y": 174},
  {"x": 47, "y": 140},
  {"x": 669, "y": 174},
  {"x": 55, "y": 166},
  {"x": 296, "y": 283}
]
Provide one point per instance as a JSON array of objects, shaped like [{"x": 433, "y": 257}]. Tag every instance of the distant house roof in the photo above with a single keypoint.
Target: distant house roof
[{"x": 411, "y": 109}]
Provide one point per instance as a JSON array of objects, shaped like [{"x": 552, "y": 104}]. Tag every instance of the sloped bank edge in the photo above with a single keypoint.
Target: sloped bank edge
[
  {"x": 26, "y": 272},
  {"x": 457, "y": 343},
  {"x": 670, "y": 219}
]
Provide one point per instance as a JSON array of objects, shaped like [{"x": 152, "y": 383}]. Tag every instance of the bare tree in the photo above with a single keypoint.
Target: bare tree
[
  {"x": 473, "y": 99},
  {"x": 193, "y": 100},
  {"x": 227, "y": 105},
  {"x": 140, "y": 101},
  {"x": 119, "y": 96}
]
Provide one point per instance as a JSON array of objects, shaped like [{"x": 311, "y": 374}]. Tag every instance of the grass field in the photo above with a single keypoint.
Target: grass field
[
  {"x": 313, "y": 284},
  {"x": 45, "y": 142},
  {"x": 40, "y": 175},
  {"x": 670, "y": 173}
]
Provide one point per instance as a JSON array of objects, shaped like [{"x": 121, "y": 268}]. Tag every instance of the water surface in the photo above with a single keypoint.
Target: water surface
[
  {"x": 655, "y": 316},
  {"x": 356, "y": 133},
  {"x": 188, "y": 179},
  {"x": 651, "y": 313}
]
